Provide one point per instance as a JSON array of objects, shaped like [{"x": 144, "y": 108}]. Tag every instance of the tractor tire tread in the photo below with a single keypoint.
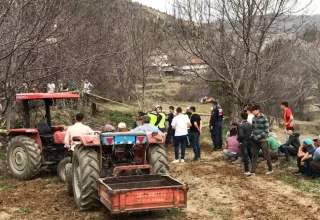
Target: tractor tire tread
[
  {"x": 89, "y": 164},
  {"x": 33, "y": 153},
  {"x": 158, "y": 159}
]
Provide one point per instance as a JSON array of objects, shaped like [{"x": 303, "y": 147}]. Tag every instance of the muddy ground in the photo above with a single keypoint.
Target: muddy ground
[{"x": 217, "y": 190}]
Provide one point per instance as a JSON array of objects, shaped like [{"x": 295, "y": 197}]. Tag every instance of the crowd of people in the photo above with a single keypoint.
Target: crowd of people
[
  {"x": 253, "y": 138},
  {"x": 246, "y": 142}
]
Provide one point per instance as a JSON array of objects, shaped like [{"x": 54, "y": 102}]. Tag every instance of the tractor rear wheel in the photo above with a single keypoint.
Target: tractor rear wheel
[
  {"x": 157, "y": 158},
  {"x": 85, "y": 173},
  {"x": 68, "y": 174},
  {"x": 23, "y": 157},
  {"x": 61, "y": 169}
]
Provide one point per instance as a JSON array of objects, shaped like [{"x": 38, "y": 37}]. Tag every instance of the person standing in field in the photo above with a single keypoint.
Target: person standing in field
[
  {"x": 259, "y": 137},
  {"x": 287, "y": 117},
  {"x": 180, "y": 123},
  {"x": 195, "y": 131}
]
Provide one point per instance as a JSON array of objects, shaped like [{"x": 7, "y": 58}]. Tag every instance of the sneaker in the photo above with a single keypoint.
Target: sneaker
[
  {"x": 269, "y": 172},
  {"x": 175, "y": 161},
  {"x": 247, "y": 173},
  {"x": 182, "y": 161},
  {"x": 252, "y": 174},
  {"x": 237, "y": 161}
]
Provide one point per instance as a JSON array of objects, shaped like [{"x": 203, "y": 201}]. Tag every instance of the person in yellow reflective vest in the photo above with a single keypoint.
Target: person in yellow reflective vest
[{"x": 162, "y": 123}]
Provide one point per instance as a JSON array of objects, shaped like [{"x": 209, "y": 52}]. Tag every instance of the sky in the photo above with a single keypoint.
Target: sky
[{"x": 165, "y": 5}]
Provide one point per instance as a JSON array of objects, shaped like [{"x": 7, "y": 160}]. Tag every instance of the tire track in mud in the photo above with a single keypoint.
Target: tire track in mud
[{"x": 218, "y": 190}]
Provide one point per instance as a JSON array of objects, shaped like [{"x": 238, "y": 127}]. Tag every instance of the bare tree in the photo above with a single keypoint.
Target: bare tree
[{"x": 245, "y": 44}]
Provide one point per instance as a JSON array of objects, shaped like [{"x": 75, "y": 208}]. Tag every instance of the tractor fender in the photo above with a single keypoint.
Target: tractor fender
[
  {"x": 30, "y": 132},
  {"x": 155, "y": 139}
]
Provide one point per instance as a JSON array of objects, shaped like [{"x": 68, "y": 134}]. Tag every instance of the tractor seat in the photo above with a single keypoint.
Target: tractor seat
[{"x": 45, "y": 132}]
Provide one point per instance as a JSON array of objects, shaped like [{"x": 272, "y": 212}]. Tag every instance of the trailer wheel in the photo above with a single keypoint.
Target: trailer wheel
[
  {"x": 61, "y": 169},
  {"x": 85, "y": 173},
  {"x": 23, "y": 157},
  {"x": 68, "y": 174},
  {"x": 158, "y": 159}
]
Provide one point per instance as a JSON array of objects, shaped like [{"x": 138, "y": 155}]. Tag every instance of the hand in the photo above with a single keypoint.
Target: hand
[
  {"x": 211, "y": 127},
  {"x": 200, "y": 130},
  {"x": 254, "y": 138}
]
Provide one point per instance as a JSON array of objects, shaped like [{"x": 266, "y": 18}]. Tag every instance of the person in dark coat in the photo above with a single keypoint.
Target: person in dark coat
[
  {"x": 244, "y": 134},
  {"x": 216, "y": 125}
]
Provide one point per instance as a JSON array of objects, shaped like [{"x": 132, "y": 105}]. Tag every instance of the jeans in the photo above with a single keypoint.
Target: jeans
[
  {"x": 182, "y": 141},
  {"x": 169, "y": 135},
  {"x": 194, "y": 140},
  {"x": 228, "y": 154},
  {"x": 217, "y": 135},
  {"x": 245, "y": 151},
  {"x": 288, "y": 150},
  {"x": 300, "y": 167},
  {"x": 256, "y": 146}
]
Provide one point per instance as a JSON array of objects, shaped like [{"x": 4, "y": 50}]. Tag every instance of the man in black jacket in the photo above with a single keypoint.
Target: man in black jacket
[
  {"x": 216, "y": 125},
  {"x": 292, "y": 146},
  {"x": 244, "y": 134}
]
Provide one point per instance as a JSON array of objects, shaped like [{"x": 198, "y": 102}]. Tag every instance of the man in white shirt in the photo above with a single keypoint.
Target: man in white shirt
[
  {"x": 87, "y": 87},
  {"x": 78, "y": 129},
  {"x": 180, "y": 123},
  {"x": 51, "y": 87}
]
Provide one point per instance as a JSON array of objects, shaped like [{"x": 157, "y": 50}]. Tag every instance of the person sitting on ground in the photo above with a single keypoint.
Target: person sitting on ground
[
  {"x": 78, "y": 129},
  {"x": 306, "y": 157},
  {"x": 274, "y": 135},
  {"x": 290, "y": 148},
  {"x": 315, "y": 163},
  {"x": 109, "y": 128},
  {"x": 233, "y": 130},
  {"x": 122, "y": 127},
  {"x": 274, "y": 145},
  {"x": 146, "y": 127},
  {"x": 232, "y": 147}
]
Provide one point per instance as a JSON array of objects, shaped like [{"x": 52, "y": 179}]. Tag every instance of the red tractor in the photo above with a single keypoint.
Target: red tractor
[
  {"x": 126, "y": 171},
  {"x": 30, "y": 148}
]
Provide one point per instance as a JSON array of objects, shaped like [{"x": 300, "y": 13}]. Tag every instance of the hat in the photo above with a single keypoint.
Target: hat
[
  {"x": 188, "y": 108},
  {"x": 108, "y": 128},
  {"x": 316, "y": 138},
  {"x": 122, "y": 125},
  {"x": 158, "y": 106},
  {"x": 307, "y": 141}
]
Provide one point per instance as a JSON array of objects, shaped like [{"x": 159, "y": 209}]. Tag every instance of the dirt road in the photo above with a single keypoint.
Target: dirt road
[{"x": 218, "y": 190}]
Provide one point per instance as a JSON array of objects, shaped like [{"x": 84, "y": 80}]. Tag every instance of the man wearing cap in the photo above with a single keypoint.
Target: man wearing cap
[
  {"x": 122, "y": 127},
  {"x": 155, "y": 117},
  {"x": 315, "y": 163},
  {"x": 305, "y": 155},
  {"x": 216, "y": 125}
]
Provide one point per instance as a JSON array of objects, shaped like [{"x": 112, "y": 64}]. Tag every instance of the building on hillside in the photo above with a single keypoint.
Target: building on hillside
[
  {"x": 162, "y": 64},
  {"x": 194, "y": 66}
]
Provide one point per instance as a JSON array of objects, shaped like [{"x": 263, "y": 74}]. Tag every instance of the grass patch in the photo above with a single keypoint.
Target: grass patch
[
  {"x": 221, "y": 214},
  {"x": 2, "y": 153},
  {"x": 305, "y": 185},
  {"x": 24, "y": 210},
  {"x": 5, "y": 185},
  {"x": 174, "y": 212},
  {"x": 51, "y": 181}
]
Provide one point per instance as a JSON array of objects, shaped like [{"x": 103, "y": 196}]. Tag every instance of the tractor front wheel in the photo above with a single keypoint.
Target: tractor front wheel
[
  {"x": 157, "y": 158},
  {"x": 23, "y": 157},
  {"x": 85, "y": 173},
  {"x": 61, "y": 169}
]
